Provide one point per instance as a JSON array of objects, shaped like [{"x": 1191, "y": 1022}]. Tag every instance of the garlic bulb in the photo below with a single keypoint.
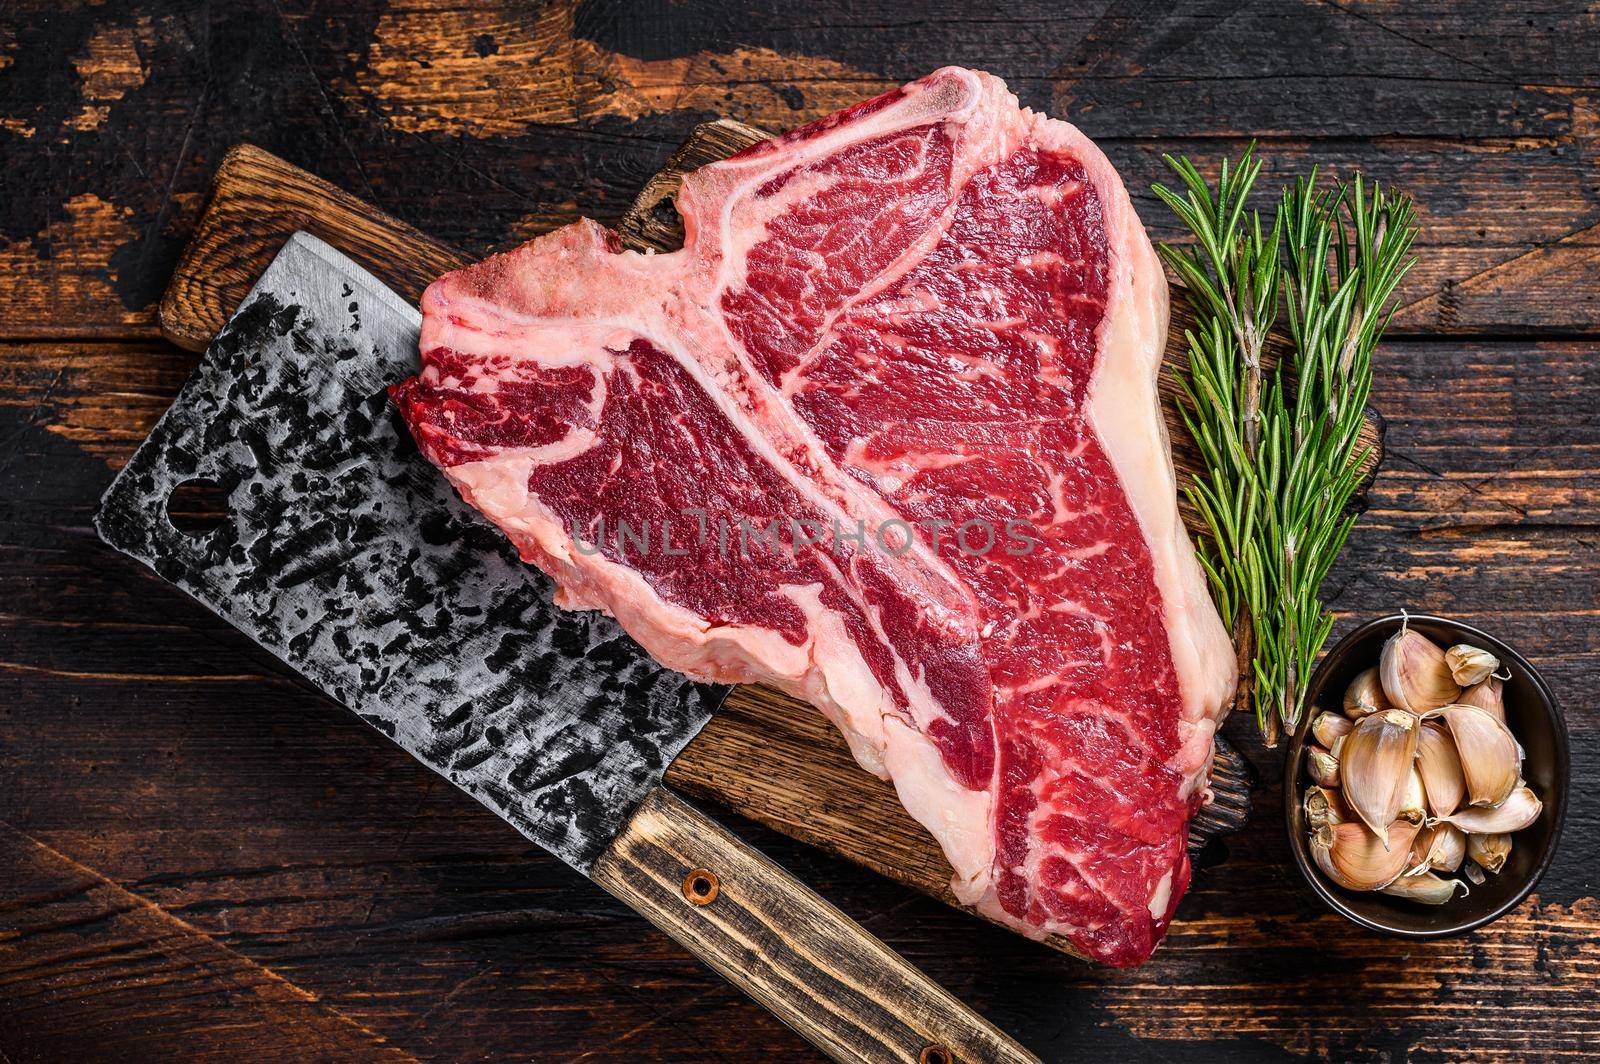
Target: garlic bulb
[
  {"x": 1514, "y": 814},
  {"x": 1489, "y": 851},
  {"x": 1414, "y": 674},
  {"x": 1486, "y": 695},
  {"x": 1425, "y": 887},
  {"x": 1491, "y": 761},
  {"x": 1364, "y": 695},
  {"x": 1329, "y": 728},
  {"x": 1375, "y": 769},
  {"x": 1440, "y": 767},
  {"x": 1323, "y": 766},
  {"x": 1356, "y": 859},
  {"x": 1469, "y": 665}
]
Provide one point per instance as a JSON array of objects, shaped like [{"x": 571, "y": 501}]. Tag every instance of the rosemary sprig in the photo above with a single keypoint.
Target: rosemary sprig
[{"x": 1279, "y": 446}]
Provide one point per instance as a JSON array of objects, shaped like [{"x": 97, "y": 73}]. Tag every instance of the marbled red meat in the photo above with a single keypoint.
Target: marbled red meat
[{"x": 885, "y": 434}]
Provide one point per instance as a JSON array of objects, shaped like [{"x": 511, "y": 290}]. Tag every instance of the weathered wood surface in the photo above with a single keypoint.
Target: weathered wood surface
[
  {"x": 142, "y": 738},
  {"x": 542, "y": 113},
  {"x": 91, "y": 970}
]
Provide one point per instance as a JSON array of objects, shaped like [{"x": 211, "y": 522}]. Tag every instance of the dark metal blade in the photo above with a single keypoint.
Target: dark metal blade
[{"x": 347, "y": 555}]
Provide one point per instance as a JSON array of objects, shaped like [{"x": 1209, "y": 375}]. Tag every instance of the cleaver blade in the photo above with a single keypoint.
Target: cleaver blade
[{"x": 347, "y": 555}]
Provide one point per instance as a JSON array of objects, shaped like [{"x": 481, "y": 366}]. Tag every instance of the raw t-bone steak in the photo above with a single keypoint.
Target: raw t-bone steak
[{"x": 884, "y": 434}]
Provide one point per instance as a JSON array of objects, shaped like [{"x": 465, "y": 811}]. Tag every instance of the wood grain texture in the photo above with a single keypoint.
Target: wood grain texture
[
  {"x": 809, "y": 964},
  {"x": 540, "y": 113},
  {"x": 258, "y": 200},
  {"x": 238, "y": 232},
  {"x": 90, "y": 970},
  {"x": 143, "y": 737}
]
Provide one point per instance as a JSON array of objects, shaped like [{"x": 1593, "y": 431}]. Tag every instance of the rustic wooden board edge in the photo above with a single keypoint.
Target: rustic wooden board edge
[
  {"x": 192, "y": 271},
  {"x": 744, "y": 758},
  {"x": 651, "y": 219},
  {"x": 233, "y": 240}
]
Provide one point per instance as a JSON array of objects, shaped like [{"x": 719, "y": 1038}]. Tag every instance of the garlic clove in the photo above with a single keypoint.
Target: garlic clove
[
  {"x": 1421, "y": 846},
  {"x": 1440, "y": 767},
  {"x": 1413, "y": 798},
  {"x": 1514, "y": 814},
  {"x": 1489, "y": 852},
  {"x": 1323, "y": 766},
  {"x": 1448, "y": 849},
  {"x": 1491, "y": 760},
  {"x": 1329, "y": 728},
  {"x": 1438, "y": 847},
  {"x": 1475, "y": 874},
  {"x": 1324, "y": 806},
  {"x": 1426, "y": 888},
  {"x": 1413, "y": 673},
  {"x": 1356, "y": 859},
  {"x": 1469, "y": 665},
  {"x": 1364, "y": 695},
  {"x": 1375, "y": 767},
  {"x": 1486, "y": 695}
]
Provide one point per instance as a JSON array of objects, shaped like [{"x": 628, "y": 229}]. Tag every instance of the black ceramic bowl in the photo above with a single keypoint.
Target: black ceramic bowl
[{"x": 1535, "y": 719}]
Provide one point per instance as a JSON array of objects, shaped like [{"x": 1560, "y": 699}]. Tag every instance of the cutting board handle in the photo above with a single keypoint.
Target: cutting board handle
[{"x": 767, "y": 933}]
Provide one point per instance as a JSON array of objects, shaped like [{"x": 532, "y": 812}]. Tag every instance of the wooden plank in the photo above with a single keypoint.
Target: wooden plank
[
  {"x": 534, "y": 115},
  {"x": 1458, "y": 71},
  {"x": 88, "y": 970},
  {"x": 1468, "y": 223},
  {"x": 1538, "y": 281}
]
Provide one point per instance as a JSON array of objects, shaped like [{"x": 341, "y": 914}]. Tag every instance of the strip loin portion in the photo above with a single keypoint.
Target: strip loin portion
[{"x": 884, "y": 434}]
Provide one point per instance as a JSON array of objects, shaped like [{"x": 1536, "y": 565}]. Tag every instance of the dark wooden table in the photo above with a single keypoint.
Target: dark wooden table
[{"x": 202, "y": 859}]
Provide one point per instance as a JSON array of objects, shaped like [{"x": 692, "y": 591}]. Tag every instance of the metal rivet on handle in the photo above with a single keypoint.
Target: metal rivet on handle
[
  {"x": 935, "y": 1054},
  {"x": 700, "y": 886}
]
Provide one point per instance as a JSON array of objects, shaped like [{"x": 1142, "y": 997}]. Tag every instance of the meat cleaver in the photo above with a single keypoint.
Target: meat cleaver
[{"x": 348, "y": 556}]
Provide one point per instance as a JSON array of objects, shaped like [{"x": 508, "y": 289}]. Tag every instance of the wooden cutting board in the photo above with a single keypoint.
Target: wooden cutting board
[{"x": 764, "y": 755}]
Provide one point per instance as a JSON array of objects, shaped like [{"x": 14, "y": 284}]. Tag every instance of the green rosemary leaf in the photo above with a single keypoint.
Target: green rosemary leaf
[{"x": 1279, "y": 449}]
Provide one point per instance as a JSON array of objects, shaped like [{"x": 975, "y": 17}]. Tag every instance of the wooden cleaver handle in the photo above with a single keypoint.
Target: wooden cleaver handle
[{"x": 774, "y": 938}]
